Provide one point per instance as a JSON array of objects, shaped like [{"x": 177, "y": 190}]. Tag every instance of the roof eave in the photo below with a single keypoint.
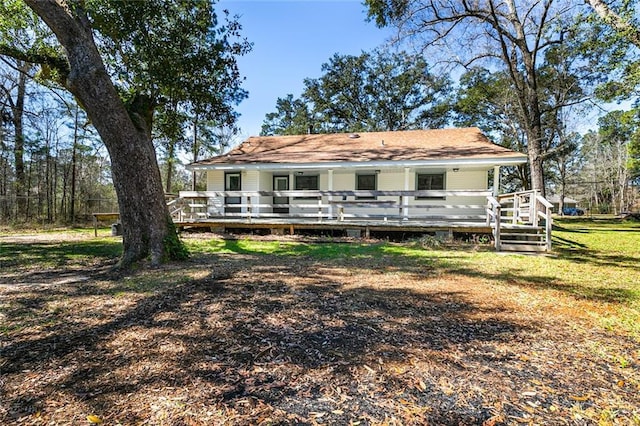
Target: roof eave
[{"x": 472, "y": 162}]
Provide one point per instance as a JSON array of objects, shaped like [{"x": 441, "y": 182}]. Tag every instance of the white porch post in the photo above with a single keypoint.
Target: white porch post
[
  {"x": 292, "y": 186},
  {"x": 496, "y": 181},
  {"x": 259, "y": 201},
  {"x": 330, "y": 198},
  {"x": 244, "y": 200},
  {"x": 405, "y": 199}
]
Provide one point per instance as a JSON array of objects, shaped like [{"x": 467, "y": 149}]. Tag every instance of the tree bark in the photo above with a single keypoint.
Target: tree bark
[
  {"x": 135, "y": 172},
  {"x": 534, "y": 152},
  {"x": 616, "y": 21},
  {"x": 527, "y": 83},
  {"x": 195, "y": 150},
  {"x": 17, "y": 112},
  {"x": 171, "y": 152},
  {"x": 74, "y": 166}
]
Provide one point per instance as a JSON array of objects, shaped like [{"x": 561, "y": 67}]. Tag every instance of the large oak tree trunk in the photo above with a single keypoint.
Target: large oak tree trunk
[
  {"x": 533, "y": 124},
  {"x": 135, "y": 173},
  {"x": 534, "y": 152}
]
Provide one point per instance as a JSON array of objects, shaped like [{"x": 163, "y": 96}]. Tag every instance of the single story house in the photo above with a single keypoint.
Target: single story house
[
  {"x": 440, "y": 181},
  {"x": 414, "y": 174},
  {"x": 569, "y": 203}
]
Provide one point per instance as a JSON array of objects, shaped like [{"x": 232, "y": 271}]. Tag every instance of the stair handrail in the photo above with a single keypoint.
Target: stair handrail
[
  {"x": 176, "y": 208},
  {"x": 518, "y": 199},
  {"x": 494, "y": 212},
  {"x": 538, "y": 207},
  {"x": 548, "y": 219},
  {"x": 492, "y": 206}
]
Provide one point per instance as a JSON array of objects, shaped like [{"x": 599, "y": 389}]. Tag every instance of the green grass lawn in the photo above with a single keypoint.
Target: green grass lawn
[
  {"x": 56, "y": 248},
  {"x": 373, "y": 331},
  {"x": 592, "y": 260}
]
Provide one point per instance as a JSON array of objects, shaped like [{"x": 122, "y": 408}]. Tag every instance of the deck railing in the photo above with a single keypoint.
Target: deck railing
[
  {"x": 494, "y": 218},
  {"x": 331, "y": 205},
  {"x": 503, "y": 213},
  {"x": 524, "y": 208}
]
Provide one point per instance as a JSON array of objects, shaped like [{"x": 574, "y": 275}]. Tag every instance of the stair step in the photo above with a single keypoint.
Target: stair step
[
  {"x": 523, "y": 247},
  {"x": 522, "y": 242},
  {"x": 521, "y": 234}
]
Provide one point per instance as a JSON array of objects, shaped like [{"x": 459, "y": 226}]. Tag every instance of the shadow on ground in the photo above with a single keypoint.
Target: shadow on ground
[
  {"x": 264, "y": 332},
  {"x": 362, "y": 336}
]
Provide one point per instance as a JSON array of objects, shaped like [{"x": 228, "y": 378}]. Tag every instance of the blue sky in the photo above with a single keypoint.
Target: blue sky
[{"x": 291, "y": 40}]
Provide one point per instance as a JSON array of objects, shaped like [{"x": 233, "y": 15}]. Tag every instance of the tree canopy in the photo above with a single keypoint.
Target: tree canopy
[
  {"x": 608, "y": 41},
  {"x": 513, "y": 36},
  {"x": 123, "y": 61},
  {"x": 373, "y": 91},
  {"x": 175, "y": 54}
]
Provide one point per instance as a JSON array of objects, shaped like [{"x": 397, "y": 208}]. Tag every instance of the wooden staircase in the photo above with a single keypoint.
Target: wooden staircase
[
  {"x": 523, "y": 238},
  {"x": 521, "y": 221}
]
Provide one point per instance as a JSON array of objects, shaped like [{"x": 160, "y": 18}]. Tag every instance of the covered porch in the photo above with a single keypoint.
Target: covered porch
[
  {"x": 517, "y": 221},
  {"x": 437, "y": 180}
]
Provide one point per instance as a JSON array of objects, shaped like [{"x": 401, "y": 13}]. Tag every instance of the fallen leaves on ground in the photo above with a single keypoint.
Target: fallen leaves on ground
[{"x": 263, "y": 340}]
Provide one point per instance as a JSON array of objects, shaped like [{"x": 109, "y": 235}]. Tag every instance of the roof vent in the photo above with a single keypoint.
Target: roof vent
[
  {"x": 354, "y": 136},
  {"x": 382, "y": 142}
]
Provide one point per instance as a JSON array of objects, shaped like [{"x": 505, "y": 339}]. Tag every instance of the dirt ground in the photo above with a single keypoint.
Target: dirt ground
[{"x": 255, "y": 339}]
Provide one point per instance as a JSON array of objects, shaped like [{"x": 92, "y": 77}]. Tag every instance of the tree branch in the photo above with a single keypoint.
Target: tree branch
[
  {"x": 616, "y": 21},
  {"x": 45, "y": 59}
]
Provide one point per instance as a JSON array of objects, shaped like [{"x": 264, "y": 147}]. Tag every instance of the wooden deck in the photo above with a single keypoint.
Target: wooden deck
[
  {"x": 518, "y": 221},
  {"x": 292, "y": 225}
]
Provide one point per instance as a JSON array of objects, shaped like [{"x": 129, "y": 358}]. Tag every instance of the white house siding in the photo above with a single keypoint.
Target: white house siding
[
  {"x": 394, "y": 179},
  {"x": 454, "y": 181},
  {"x": 345, "y": 180},
  {"x": 467, "y": 179},
  {"x": 264, "y": 183},
  {"x": 387, "y": 180},
  {"x": 250, "y": 182},
  {"x": 215, "y": 182}
]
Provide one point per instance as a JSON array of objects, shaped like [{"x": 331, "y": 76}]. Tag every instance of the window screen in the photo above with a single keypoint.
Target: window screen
[
  {"x": 366, "y": 183},
  {"x": 430, "y": 182},
  {"x": 307, "y": 183}
]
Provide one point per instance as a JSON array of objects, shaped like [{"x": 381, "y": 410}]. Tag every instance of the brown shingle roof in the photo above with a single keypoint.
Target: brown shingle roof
[{"x": 439, "y": 144}]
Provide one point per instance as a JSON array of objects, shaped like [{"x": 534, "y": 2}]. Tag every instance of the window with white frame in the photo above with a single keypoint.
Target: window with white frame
[
  {"x": 430, "y": 182},
  {"x": 307, "y": 183},
  {"x": 366, "y": 182}
]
